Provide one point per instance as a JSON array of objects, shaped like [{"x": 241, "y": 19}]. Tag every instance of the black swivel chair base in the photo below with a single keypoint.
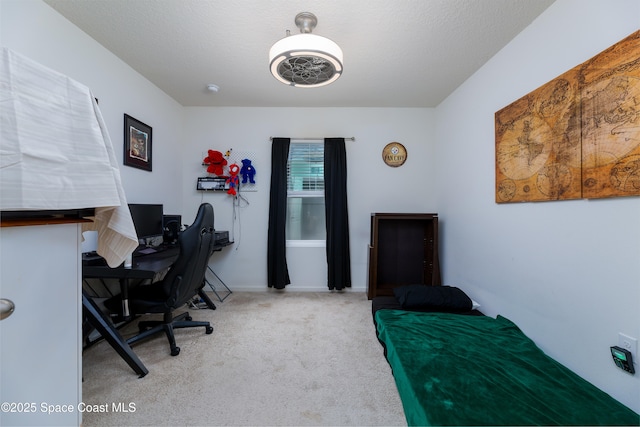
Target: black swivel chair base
[{"x": 148, "y": 328}]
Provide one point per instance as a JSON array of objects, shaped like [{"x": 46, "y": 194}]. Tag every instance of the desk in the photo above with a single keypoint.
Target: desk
[{"x": 143, "y": 267}]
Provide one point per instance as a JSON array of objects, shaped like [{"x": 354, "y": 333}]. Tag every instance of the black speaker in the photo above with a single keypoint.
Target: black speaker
[{"x": 171, "y": 224}]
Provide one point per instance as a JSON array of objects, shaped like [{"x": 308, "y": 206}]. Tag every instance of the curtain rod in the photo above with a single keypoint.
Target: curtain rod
[{"x": 351, "y": 138}]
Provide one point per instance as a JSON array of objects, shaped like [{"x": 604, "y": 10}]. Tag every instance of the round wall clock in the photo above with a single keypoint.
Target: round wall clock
[{"x": 394, "y": 154}]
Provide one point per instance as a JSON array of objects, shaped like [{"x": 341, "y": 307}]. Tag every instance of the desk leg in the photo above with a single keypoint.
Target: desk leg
[
  {"x": 213, "y": 288},
  {"x": 124, "y": 291},
  {"x": 206, "y": 299},
  {"x": 99, "y": 321}
]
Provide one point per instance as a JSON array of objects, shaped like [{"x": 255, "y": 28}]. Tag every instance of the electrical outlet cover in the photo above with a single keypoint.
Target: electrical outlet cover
[{"x": 630, "y": 344}]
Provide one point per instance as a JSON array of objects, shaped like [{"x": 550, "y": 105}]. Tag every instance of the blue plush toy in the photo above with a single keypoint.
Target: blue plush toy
[{"x": 247, "y": 171}]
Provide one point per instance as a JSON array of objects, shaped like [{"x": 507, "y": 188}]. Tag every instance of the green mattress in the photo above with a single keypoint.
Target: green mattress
[{"x": 452, "y": 369}]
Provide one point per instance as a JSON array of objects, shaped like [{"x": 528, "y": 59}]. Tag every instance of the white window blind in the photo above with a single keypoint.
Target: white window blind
[
  {"x": 305, "y": 192},
  {"x": 305, "y": 168}
]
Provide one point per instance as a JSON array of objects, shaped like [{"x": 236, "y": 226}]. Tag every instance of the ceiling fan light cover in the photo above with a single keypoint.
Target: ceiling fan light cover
[{"x": 306, "y": 60}]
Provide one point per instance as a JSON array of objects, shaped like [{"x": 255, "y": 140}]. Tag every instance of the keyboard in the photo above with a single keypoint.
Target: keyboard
[
  {"x": 145, "y": 251},
  {"x": 148, "y": 250}
]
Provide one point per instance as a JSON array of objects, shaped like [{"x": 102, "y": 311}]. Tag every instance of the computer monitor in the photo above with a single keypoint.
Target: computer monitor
[{"x": 147, "y": 219}]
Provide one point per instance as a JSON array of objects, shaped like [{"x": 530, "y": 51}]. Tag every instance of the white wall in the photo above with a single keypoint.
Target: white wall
[
  {"x": 35, "y": 30},
  {"x": 372, "y": 185},
  {"x": 568, "y": 273}
]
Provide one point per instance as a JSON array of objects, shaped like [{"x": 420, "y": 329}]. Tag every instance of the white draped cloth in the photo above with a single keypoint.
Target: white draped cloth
[{"x": 56, "y": 153}]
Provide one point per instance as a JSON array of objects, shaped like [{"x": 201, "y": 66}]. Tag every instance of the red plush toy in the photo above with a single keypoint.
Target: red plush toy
[
  {"x": 216, "y": 162},
  {"x": 233, "y": 179}
]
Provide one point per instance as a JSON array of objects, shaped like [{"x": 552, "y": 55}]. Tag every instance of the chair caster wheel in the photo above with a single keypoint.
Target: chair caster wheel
[
  {"x": 209, "y": 330},
  {"x": 175, "y": 351}
]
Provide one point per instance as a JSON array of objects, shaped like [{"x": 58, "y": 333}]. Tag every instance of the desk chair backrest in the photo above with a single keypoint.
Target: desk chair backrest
[{"x": 185, "y": 278}]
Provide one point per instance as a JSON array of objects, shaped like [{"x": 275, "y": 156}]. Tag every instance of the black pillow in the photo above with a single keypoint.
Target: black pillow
[{"x": 433, "y": 297}]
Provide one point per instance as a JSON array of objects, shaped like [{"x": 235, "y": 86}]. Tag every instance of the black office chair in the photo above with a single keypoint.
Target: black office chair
[{"x": 183, "y": 281}]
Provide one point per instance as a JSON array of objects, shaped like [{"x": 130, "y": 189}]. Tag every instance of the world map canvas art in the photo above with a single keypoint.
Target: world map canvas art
[{"x": 577, "y": 136}]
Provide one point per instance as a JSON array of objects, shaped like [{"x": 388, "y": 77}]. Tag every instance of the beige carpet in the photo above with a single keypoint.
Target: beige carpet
[{"x": 275, "y": 358}]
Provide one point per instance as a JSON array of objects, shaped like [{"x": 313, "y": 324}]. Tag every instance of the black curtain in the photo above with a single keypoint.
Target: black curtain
[
  {"x": 337, "y": 217},
  {"x": 277, "y": 271}
]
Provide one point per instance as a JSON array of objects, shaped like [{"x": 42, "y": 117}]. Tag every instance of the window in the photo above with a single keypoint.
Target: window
[{"x": 305, "y": 192}]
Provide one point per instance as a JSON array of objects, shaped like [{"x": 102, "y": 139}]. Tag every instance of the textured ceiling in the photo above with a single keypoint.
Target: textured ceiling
[{"x": 402, "y": 53}]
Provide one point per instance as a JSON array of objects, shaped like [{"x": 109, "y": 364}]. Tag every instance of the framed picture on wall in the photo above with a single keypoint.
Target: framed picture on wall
[{"x": 137, "y": 144}]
